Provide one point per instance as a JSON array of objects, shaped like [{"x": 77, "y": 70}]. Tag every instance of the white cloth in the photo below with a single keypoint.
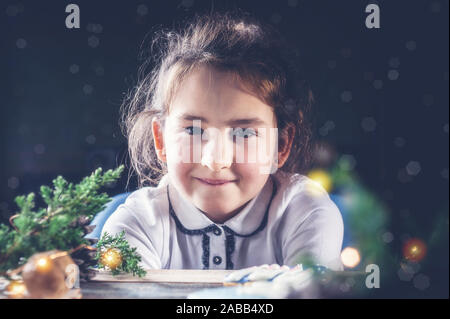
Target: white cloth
[{"x": 290, "y": 217}]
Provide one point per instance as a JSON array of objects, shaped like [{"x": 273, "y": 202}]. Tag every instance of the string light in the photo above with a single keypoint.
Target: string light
[
  {"x": 44, "y": 264},
  {"x": 16, "y": 289}
]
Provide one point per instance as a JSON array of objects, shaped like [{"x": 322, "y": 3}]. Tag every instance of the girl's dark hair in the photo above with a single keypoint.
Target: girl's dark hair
[{"x": 258, "y": 57}]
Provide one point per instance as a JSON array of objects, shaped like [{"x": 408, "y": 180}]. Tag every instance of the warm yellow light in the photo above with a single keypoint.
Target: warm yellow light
[
  {"x": 321, "y": 178},
  {"x": 43, "y": 264},
  {"x": 16, "y": 289},
  {"x": 350, "y": 257},
  {"x": 414, "y": 249}
]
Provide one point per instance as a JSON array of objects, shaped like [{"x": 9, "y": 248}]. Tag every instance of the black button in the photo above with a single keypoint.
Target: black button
[
  {"x": 217, "y": 260},
  {"x": 217, "y": 231}
]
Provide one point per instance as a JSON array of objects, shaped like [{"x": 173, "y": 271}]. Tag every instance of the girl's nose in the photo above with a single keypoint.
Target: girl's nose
[{"x": 217, "y": 152}]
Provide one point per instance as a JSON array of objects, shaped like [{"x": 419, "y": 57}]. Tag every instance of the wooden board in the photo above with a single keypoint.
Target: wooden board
[{"x": 167, "y": 275}]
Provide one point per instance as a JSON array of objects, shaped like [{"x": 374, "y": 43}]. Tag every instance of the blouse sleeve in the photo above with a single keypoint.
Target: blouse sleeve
[
  {"x": 124, "y": 219},
  {"x": 318, "y": 234}
]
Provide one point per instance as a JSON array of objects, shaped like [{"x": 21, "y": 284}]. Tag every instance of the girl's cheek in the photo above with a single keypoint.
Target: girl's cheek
[
  {"x": 257, "y": 153},
  {"x": 250, "y": 175},
  {"x": 180, "y": 174}
]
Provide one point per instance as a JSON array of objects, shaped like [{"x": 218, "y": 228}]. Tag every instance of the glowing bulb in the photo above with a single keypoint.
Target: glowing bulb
[
  {"x": 16, "y": 289},
  {"x": 414, "y": 250},
  {"x": 43, "y": 264},
  {"x": 321, "y": 178},
  {"x": 350, "y": 257}
]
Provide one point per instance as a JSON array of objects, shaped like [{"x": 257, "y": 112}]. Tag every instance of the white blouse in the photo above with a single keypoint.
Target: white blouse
[{"x": 292, "y": 216}]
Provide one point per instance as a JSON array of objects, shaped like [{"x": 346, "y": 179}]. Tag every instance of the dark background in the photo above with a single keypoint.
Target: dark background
[{"x": 382, "y": 94}]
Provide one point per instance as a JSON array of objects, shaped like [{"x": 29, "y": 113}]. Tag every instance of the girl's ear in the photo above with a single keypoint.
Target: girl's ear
[
  {"x": 285, "y": 143},
  {"x": 158, "y": 140}
]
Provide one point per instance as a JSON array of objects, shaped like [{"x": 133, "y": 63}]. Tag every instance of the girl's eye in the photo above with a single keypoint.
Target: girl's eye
[
  {"x": 244, "y": 133},
  {"x": 193, "y": 130}
]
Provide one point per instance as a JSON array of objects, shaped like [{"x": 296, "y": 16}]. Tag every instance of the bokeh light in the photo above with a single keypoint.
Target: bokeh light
[
  {"x": 435, "y": 7},
  {"x": 378, "y": 84},
  {"x": 394, "y": 62},
  {"x": 444, "y": 173},
  {"x": 387, "y": 237},
  {"x": 346, "y": 96},
  {"x": 321, "y": 178},
  {"x": 347, "y": 162},
  {"x": 21, "y": 43},
  {"x": 332, "y": 64},
  {"x": 428, "y": 100},
  {"x": 13, "y": 182},
  {"x": 414, "y": 249},
  {"x": 411, "y": 45},
  {"x": 292, "y": 3},
  {"x": 413, "y": 168},
  {"x": 142, "y": 10},
  {"x": 399, "y": 141},
  {"x": 350, "y": 257},
  {"x": 421, "y": 282},
  {"x": 16, "y": 289},
  {"x": 93, "y": 41},
  {"x": 368, "y": 124},
  {"x": 74, "y": 68},
  {"x": 393, "y": 75}
]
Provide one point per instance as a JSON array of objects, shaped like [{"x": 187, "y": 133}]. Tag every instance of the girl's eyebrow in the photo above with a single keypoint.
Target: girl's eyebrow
[
  {"x": 246, "y": 121},
  {"x": 189, "y": 117},
  {"x": 232, "y": 122}
]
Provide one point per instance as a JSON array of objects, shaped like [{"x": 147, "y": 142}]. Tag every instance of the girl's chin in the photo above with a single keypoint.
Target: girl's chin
[
  {"x": 219, "y": 211},
  {"x": 215, "y": 209}
]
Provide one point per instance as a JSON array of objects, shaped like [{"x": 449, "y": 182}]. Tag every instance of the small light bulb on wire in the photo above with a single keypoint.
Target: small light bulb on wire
[
  {"x": 16, "y": 289},
  {"x": 44, "y": 264}
]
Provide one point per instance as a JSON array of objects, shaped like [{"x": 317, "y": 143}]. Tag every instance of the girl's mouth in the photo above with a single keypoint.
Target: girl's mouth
[{"x": 214, "y": 182}]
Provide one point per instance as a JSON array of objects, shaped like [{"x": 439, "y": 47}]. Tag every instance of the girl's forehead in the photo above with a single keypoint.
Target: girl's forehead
[{"x": 218, "y": 96}]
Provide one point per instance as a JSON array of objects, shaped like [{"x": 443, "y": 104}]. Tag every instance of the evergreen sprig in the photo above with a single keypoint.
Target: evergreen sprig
[
  {"x": 61, "y": 225},
  {"x": 130, "y": 259}
]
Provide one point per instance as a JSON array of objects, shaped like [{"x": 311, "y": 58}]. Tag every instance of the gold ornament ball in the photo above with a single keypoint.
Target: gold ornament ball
[
  {"x": 112, "y": 258},
  {"x": 45, "y": 274}
]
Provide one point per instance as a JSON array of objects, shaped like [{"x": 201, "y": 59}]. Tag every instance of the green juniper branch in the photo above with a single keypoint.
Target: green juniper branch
[{"x": 131, "y": 259}]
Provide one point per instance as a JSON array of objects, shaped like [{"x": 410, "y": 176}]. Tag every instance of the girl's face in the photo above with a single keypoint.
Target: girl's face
[{"x": 220, "y": 143}]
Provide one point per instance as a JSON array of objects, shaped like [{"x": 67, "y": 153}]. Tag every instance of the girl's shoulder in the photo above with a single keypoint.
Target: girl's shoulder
[
  {"x": 294, "y": 183},
  {"x": 299, "y": 193},
  {"x": 146, "y": 201}
]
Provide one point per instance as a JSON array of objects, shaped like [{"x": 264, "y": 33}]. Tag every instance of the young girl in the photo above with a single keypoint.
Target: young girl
[{"x": 230, "y": 194}]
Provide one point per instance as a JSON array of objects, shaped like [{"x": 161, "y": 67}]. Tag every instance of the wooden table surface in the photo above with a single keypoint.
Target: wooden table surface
[
  {"x": 179, "y": 284},
  {"x": 167, "y": 284},
  {"x": 162, "y": 283},
  {"x": 140, "y": 290}
]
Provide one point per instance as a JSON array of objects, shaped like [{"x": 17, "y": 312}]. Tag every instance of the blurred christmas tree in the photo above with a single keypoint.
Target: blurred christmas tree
[
  {"x": 366, "y": 219},
  {"x": 368, "y": 237}
]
